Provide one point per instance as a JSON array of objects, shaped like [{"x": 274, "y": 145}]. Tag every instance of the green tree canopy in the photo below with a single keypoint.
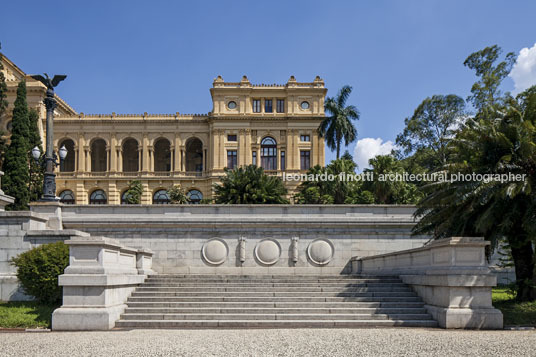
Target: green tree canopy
[
  {"x": 497, "y": 145},
  {"x": 249, "y": 185},
  {"x": 37, "y": 170},
  {"x": 15, "y": 181},
  {"x": 177, "y": 195},
  {"x": 338, "y": 126},
  {"x": 3, "y": 109},
  {"x": 134, "y": 192},
  {"x": 427, "y": 132},
  {"x": 486, "y": 96}
]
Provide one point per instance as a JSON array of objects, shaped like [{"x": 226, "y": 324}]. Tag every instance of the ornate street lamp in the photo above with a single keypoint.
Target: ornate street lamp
[{"x": 49, "y": 182}]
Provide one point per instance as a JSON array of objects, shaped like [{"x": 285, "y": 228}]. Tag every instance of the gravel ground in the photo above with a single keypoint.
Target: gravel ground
[{"x": 299, "y": 342}]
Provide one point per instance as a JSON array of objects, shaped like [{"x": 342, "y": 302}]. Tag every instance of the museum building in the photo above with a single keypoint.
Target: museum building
[{"x": 272, "y": 126}]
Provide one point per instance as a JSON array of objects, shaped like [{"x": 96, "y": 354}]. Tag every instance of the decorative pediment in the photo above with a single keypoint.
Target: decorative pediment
[{"x": 11, "y": 71}]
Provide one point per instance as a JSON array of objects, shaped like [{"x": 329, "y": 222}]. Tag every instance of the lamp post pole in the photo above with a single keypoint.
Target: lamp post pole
[{"x": 49, "y": 180}]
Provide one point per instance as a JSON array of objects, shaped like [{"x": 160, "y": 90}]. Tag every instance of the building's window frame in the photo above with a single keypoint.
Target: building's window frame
[
  {"x": 283, "y": 160},
  {"x": 280, "y": 106},
  {"x": 68, "y": 201},
  {"x": 269, "y": 154},
  {"x": 305, "y": 159},
  {"x": 197, "y": 193},
  {"x": 305, "y": 138},
  {"x": 98, "y": 201},
  {"x": 232, "y": 159},
  {"x": 232, "y": 137},
  {"x": 254, "y": 157},
  {"x": 256, "y": 106},
  {"x": 268, "y": 106},
  {"x": 158, "y": 200}
]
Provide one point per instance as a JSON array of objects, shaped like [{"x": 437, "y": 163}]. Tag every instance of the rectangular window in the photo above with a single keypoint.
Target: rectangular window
[
  {"x": 305, "y": 159},
  {"x": 280, "y": 106},
  {"x": 267, "y": 105},
  {"x": 231, "y": 137},
  {"x": 256, "y": 105},
  {"x": 282, "y": 160},
  {"x": 254, "y": 158},
  {"x": 305, "y": 138},
  {"x": 231, "y": 159}
]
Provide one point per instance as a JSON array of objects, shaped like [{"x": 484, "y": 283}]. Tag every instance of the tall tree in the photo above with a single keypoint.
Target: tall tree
[
  {"x": 37, "y": 170},
  {"x": 486, "y": 94},
  {"x": 339, "y": 126},
  {"x": 15, "y": 182},
  {"x": 428, "y": 131},
  {"x": 494, "y": 209},
  {"x": 249, "y": 185},
  {"x": 3, "y": 109}
]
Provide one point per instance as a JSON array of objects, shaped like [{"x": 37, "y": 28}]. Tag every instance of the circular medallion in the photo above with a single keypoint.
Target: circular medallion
[
  {"x": 231, "y": 105},
  {"x": 304, "y": 105},
  {"x": 215, "y": 251},
  {"x": 320, "y": 251},
  {"x": 267, "y": 251}
]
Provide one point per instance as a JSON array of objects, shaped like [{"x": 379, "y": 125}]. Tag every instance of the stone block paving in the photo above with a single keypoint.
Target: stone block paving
[{"x": 273, "y": 342}]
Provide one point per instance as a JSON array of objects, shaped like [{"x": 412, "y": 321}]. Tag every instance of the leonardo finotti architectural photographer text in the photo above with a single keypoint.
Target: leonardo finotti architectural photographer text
[{"x": 406, "y": 176}]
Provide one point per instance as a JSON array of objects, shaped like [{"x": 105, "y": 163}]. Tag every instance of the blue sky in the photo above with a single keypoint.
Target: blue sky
[{"x": 162, "y": 56}]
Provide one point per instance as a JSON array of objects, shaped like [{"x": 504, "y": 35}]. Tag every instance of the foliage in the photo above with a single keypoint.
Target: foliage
[
  {"x": 26, "y": 314},
  {"x": 338, "y": 125},
  {"x": 497, "y": 210},
  {"x": 3, "y": 108},
  {"x": 387, "y": 191},
  {"x": 15, "y": 181},
  {"x": 427, "y": 132},
  {"x": 249, "y": 185},
  {"x": 177, "y": 195},
  {"x": 486, "y": 95},
  {"x": 37, "y": 170},
  {"x": 134, "y": 192},
  {"x": 38, "y": 270},
  {"x": 514, "y": 312}
]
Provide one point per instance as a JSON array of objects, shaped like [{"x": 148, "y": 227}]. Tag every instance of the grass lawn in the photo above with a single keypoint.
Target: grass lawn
[
  {"x": 25, "y": 314},
  {"x": 515, "y": 313}
]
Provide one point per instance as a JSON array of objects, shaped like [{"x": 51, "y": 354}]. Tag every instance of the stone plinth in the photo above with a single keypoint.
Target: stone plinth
[
  {"x": 51, "y": 210},
  {"x": 4, "y": 199},
  {"x": 100, "y": 277},
  {"x": 451, "y": 275}
]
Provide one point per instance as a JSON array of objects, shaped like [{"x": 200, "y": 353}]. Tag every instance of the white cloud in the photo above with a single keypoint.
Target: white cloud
[
  {"x": 368, "y": 148},
  {"x": 524, "y": 71}
]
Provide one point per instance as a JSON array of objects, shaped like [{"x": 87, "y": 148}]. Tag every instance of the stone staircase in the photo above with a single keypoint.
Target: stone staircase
[{"x": 225, "y": 301}]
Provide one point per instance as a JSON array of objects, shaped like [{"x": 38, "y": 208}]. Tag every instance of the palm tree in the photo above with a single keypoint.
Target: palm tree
[
  {"x": 493, "y": 209},
  {"x": 339, "y": 126},
  {"x": 250, "y": 185}
]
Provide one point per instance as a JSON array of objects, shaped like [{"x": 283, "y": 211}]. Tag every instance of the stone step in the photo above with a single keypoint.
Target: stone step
[
  {"x": 273, "y": 287},
  {"x": 245, "y": 305},
  {"x": 268, "y": 276},
  {"x": 306, "y": 299},
  {"x": 268, "y": 285},
  {"x": 271, "y": 323},
  {"x": 257, "y": 294},
  {"x": 272, "y": 281},
  {"x": 194, "y": 316},
  {"x": 273, "y": 310}
]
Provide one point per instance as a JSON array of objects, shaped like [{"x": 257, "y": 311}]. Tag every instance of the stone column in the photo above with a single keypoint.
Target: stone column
[
  {"x": 113, "y": 158},
  {"x": 87, "y": 158},
  {"x": 177, "y": 150},
  {"x": 315, "y": 159},
  {"x": 145, "y": 154},
  {"x": 151, "y": 158},
  {"x": 81, "y": 155}
]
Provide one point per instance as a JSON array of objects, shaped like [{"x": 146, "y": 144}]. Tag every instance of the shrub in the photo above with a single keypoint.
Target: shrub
[
  {"x": 38, "y": 270},
  {"x": 177, "y": 195}
]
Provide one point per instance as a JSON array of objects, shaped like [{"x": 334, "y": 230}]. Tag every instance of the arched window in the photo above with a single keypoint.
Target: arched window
[
  {"x": 130, "y": 156},
  {"x": 68, "y": 164},
  {"x": 161, "y": 197},
  {"x": 67, "y": 197},
  {"x": 269, "y": 153},
  {"x": 194, "y": 155},
  {"x": 194, "y": 196},
  {"x": 124, "y": 198},
  {"x": 98, "y": 155},
  {"x": 98, "y": 197},
  {"x": 162, "y": 155}
]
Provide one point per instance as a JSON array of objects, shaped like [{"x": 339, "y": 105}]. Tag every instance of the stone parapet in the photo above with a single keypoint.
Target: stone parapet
[
  {"x": 100, "y": 277},
  {"x": 451, "y": 275}
]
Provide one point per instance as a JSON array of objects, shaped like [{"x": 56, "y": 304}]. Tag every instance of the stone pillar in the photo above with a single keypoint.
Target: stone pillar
[
  {"x": 87, "y": 158},
  {"x": 113, "y": 158},
  {"x": 119, "y": 159},
  {"x": 177, "y": 151},
  {"x": 145, "y": 154},
  {"x": 150, "y": 148}
]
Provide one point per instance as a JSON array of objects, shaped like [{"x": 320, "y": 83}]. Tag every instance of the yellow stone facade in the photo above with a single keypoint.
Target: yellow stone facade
[{"x": 274, "y": 126}]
